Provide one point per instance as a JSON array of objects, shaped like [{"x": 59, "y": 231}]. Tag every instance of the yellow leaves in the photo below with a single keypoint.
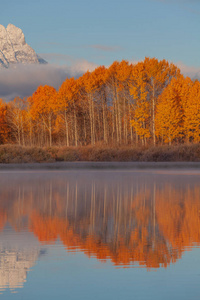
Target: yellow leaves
[
  {"x": 43, "y": 105},
  {"x": 1, "y": 103},
  {"x": 178, "y": 111},
  {"x": 118, "y": 75},
  {"x": 4, "y": 130},
  {"x": 141, "y": 111},
  {"x": 169, "y": 117},
  {"x": 43, "y": 100},
  {"x": 123, "y": 73},
  {"x": 160, "y": 72},
  {"x": 92, "y": 81},
  {"x": 67, "y": 93},
  {"x": 148, "y": 79},
  {"x": 192, "y": 113},
  {"x": 141, "y": 117}
]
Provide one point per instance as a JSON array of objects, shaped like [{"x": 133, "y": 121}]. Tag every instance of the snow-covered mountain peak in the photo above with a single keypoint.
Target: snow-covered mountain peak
[{"x": 14, "y": 49}]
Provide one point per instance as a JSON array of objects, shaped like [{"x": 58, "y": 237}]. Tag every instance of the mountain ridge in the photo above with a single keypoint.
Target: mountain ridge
[{"x": 14, "y": 49}]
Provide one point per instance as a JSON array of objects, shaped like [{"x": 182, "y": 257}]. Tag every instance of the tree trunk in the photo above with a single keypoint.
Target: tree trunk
[{"x": 66, "y": 129}]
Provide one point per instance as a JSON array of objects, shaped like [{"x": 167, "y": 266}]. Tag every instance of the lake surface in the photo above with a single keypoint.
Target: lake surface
[{"x": 100, "y": 234}]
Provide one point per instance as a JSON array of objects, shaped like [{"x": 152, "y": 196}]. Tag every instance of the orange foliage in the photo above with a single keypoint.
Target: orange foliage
[
  {"x": 178, "y": 111},
  {"x": 141, "y": 110},
  {"x": 169, "y": 113},
  {"x": 4, "y": 129},
  {"x": 145, "y": 103},
  {"x": 192, "y": 113},
  {"x": 42, "y": 107}
]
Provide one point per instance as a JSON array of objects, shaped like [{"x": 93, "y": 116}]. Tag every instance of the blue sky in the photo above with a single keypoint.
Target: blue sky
[
  {"x": 103, "y": 31},
  {"x": 76, "y": 36}
]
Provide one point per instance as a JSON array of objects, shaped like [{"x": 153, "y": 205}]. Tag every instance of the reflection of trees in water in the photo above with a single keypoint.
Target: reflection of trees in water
[{"x": 129, "y": 219}]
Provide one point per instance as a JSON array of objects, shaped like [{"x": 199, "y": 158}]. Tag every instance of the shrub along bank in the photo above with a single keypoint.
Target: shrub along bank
[{"x": 180, "y": 153}]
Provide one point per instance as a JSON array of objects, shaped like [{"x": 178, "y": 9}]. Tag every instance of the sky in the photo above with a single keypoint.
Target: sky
[{"x": 79, "y": 35}]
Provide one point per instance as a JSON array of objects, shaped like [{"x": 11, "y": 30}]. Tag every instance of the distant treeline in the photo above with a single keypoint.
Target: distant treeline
[{"x": 147, "y": 103}]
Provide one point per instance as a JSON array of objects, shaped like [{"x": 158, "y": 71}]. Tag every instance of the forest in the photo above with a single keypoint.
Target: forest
[{"x": 149, "y": 103}]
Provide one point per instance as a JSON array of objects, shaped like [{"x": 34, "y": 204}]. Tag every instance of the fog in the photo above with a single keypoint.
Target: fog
[{"x": 22, "y": 80}]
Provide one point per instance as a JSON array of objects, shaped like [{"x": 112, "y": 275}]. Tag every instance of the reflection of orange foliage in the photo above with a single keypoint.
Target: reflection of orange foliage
[
  {"x": 177, "y": 226},
  {"x": 3, "y": 219},
  {"x": 179, "y": 220},
  {"x": 44, "y": 228},
  {"x": 150, "y": 226}
]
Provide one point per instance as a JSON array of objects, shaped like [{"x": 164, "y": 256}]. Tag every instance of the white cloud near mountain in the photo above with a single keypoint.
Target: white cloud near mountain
[
  {"x": 192, "y": 72},
  {"x": 22, "y": 80}
]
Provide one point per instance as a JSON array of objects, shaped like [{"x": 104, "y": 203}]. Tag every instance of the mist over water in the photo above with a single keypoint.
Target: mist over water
[{"x": 135, "y": 221}]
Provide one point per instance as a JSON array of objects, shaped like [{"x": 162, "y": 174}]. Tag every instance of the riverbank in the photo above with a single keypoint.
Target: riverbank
[
  {"x": 13, "y": 154},
  {"x": 103, "y": 166}
]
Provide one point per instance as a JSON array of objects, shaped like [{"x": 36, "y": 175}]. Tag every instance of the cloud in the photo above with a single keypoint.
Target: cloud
[
  {"x": 58, "y": 58},
  {"x": 50, "y": 43},
  {"x": 192, "y": 72},
  {"x": 106, "y": 48},
  {"x": 23, "y": 80},
  {"x": 69, "y": 61}
]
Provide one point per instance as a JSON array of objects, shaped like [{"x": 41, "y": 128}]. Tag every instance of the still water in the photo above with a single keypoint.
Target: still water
[{"x": 100, "y": 234}]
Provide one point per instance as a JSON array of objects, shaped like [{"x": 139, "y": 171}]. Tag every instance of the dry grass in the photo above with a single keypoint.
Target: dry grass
[
  {"x": 18, "y": 154},
  {"x": 187, "y": 152}
]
